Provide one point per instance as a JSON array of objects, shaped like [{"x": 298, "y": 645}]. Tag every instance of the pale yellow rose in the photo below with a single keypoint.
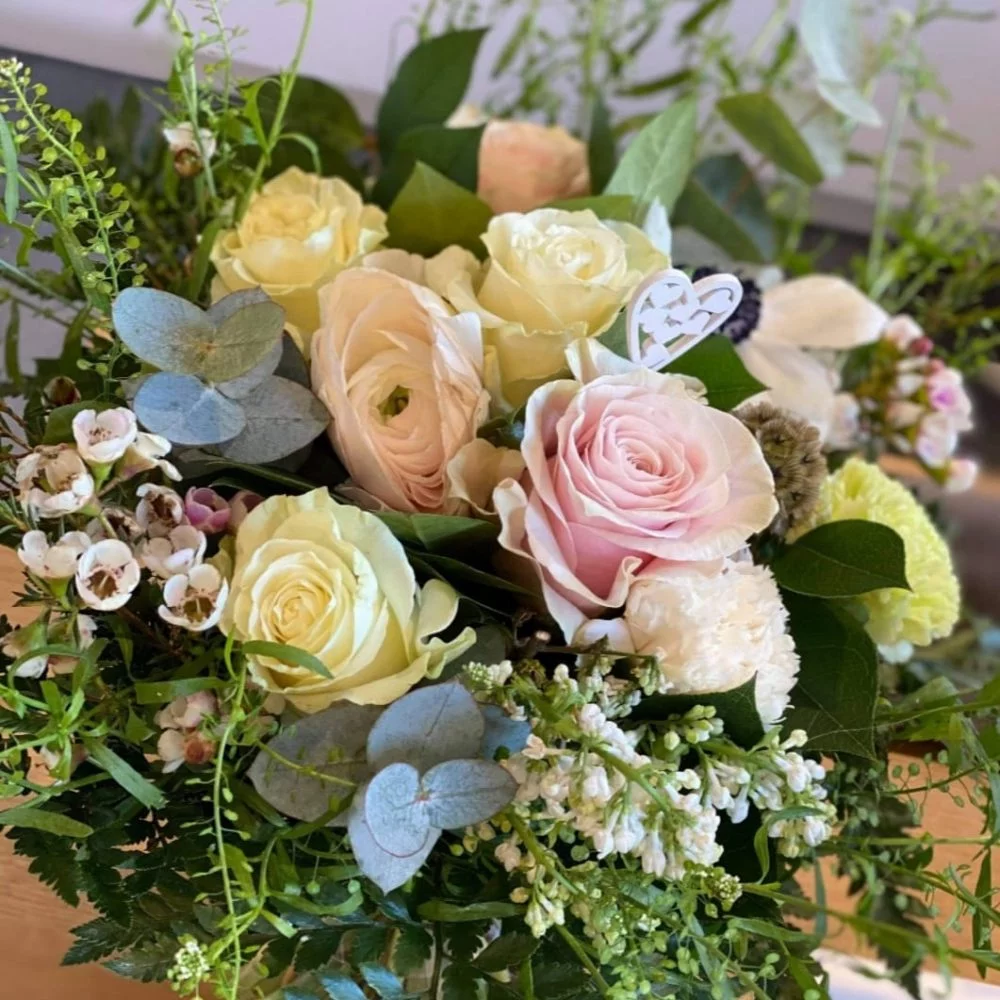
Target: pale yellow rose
[
  {"x": 402, "y": 377},
  {"x": 552, "y": 277},
  {"x": 299, "y": 232},
  {"x": 332, "y": 580}
]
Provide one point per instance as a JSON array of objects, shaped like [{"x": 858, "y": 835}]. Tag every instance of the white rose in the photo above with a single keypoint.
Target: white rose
[
  {"x": 402, "y": 378},
  {"x": 552, "y": 277},
  {"x": 330, "y": 579},
  {"x": 299, "y": 232}
]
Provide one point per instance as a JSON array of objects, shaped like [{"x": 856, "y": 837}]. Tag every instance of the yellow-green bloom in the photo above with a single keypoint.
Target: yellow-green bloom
[
  {"x": 332, "y": 580},
  {"x": 930, "y": 609}
]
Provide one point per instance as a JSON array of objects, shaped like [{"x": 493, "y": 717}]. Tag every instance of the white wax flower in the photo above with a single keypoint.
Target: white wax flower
[
  {"x": 56, "y": 561},
  {"x": 178, "y": 552},
  {"x": 103, "y": 438},
  {"x": 53, "y": 481},
  {"x": 106, "y": 575},
  {"x": 195, "y": 600}
]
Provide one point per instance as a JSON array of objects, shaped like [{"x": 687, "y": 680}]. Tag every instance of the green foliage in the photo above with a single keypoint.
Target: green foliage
[
  {"x": 715, "y": 362},
  {"x": 432, "y": 212},
  {"x": 843, "y": 559}
]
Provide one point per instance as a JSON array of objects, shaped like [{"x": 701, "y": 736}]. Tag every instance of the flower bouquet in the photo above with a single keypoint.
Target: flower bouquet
[{"x": 439, "y": 593}]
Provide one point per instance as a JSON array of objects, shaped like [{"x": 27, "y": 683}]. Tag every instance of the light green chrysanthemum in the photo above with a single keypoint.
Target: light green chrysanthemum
[{"x": 928, "y": 611}]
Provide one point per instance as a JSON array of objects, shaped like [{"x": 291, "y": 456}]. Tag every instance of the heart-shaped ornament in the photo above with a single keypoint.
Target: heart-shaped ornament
[{"x": 669, "y": 314}]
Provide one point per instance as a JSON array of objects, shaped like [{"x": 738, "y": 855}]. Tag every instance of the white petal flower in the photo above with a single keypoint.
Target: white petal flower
[
  {"x": 52, "y": 562},
  {"x": 53, "y": 481},
  {"x": 181, "y": 139},
  {"x": 962, "y": 473},
  {"x": 170, "y": 749},
  {"x": 106, "y": 575},
  {"x": 159, "y": 511},
  {"x": 195, "y": 600},
  {"x": 102, "y": 438},
  {"x": 147, "y": 452},
  {"x": 187, "y": 712},
  {"x": 178, "y": 552}
]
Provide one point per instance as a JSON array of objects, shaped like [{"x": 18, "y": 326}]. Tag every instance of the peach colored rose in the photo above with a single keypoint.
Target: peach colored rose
[
  {"x": 401, "y": 375},
  {"x": 624, "y": 474},
  {"x": 523, "y": 166}
]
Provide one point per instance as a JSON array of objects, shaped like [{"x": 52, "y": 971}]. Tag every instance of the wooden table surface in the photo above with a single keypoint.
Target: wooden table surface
[{"x": 35, "y": 924}]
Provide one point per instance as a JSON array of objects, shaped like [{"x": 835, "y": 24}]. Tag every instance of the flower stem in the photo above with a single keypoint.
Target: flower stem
[{"x": 585, "y": 960}]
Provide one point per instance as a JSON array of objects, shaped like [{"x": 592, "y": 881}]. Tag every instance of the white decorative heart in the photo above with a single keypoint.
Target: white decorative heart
[{"x": 669, "y": 314}]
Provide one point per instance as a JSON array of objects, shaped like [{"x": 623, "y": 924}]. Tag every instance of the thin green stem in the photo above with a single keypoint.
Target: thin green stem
[
  {"x": 591, "y": 51},
  {"x": 585, "y": 960},
  {"x": 288, "y": 79}
]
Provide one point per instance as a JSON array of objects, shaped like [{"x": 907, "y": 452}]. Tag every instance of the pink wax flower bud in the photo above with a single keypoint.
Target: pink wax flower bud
[
  {"x": 923, "y": 346},
  {"x": 206, "y": 510},
  {"x": 241, "y": 505}
]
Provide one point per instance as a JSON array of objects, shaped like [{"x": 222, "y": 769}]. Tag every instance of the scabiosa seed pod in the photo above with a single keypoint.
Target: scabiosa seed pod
[
  {"x": 793, "y": 449},
  {"x": 746, "y": 319}
]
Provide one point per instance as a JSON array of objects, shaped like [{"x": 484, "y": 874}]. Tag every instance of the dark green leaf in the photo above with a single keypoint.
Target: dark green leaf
[
  {"x": 318, "y": 948},
  {"x": 413, "y": 949},
  {"x": 982, "y": 927},
  {"x": 460, "y": 982},
  {"x": 286, "y": 654},
  {"x": 202, "y": 259},
  {"x": 620, "y": 207},
  {"x": 834, "y": 699},
  {"x": 12, "y": 346},
  {"x": 429, "y": 85},
  {"x": 763, "y": 123},
  {"x": 715, "y": 362},
  {"x": 657, "y": 162},
  {"x": 160, "y": 692},
  {"x": 53, "y": 861},
  {"x": 94, "y": 941},
  {"x": 8, "y": 154},
  {"x": 737, "y": 709},
  {"x": 452, "y": 152},
  {"x": 147, "y": 9},
  {"x": 437, "y": 910},
  {"x": 149, "y": 963},
  {"x": 601, "y": 152},
  {"x": 723, "y": 202},
  {"x": 690, "y": 25},
  {"x": 432, "y": 212},
  {"x": 59, "y": 426},
  {"x": 386, "y": 984},
  {"x": 560, "y": 981},
  {"x": 37, "y": 818},
  {"x": 661, "y": 83},
  {"x": 437, "y": 532},
  {"x": 843, "y": 559},
  {"x": 507, "y": 951},
  {"x": 127, "y": 776}
]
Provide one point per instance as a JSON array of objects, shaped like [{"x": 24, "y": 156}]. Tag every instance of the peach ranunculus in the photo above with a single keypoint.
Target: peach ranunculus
[
  {"x": 627, "y": 473},
  {"x": 401, "y": 375},
  {"x": 524, "y": 165},
  {"x": 552, "y": 277},
  {"x": 299, "y": 232}
]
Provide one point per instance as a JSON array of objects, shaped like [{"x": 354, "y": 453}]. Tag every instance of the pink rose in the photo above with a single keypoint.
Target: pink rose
[
  {"x": 624, "y": 474},
  {"x": 523, "y": 165}
]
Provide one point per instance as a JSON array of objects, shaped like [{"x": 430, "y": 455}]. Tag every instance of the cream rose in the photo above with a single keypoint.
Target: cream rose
[
  {"x": 299, "y": 233},
  {"x": 332, "y": 580},
  {"x": 552, "y": 277},
  {"x": 402, "y": 378},
  {"x": 524, "y": 165}
]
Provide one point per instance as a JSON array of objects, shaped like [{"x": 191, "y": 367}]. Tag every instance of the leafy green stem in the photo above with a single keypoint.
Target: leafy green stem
[{"x": 585, "y": 960}]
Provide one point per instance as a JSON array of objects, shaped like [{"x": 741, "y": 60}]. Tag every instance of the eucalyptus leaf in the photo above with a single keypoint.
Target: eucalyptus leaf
[
  {"x": 460, "y": 793},
  {"x": 503, "y": 732},
  {"x": 659, "y": 159},
  {"x": 426, "y": 727},
  {"x": 387, "y": 871},
  {"x": 186, "y": 411},
  {"x": 326, "y": 759},
  {"x": 846, "y": 99},
  {"x": 238, "y": 388},
  {"x": 843, "y": 559},
  {"x": 160, "y": 328},
  {"x": 281, "y": 417},
  {"x": 293, "y": 365},
  {"x": 395, "y": 810},
  {"x": 248, "y": 326}
]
